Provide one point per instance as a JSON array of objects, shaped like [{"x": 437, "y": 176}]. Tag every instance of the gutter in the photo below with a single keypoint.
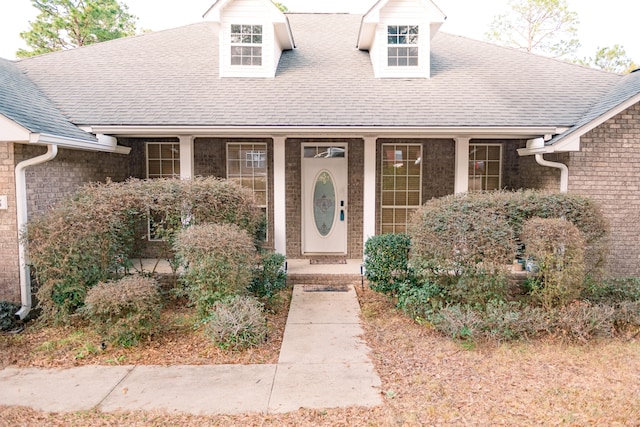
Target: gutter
[
  {"x": 564, "y": 171},
  {"x": 21, "y": 213}
]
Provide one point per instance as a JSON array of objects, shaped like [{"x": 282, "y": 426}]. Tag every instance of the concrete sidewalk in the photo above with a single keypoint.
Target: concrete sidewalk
[{"x": 323, "y": 363}]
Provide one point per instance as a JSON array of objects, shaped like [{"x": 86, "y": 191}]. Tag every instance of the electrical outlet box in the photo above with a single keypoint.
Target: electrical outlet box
[{"x": 3, "y": 203}]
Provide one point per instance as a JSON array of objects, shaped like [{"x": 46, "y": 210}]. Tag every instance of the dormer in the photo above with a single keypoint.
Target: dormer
[
  {"x": 397, "y": 34},
  {"x": 252, "y": 36}
]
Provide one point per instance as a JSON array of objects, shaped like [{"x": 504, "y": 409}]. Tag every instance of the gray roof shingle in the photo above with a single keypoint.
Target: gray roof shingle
[
  {"x": 22, "y": 102},
  {"x": 171, "y": 78}
]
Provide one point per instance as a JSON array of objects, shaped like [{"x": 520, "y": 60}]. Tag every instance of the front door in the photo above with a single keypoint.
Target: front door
[{"x": 324, "y": 199}]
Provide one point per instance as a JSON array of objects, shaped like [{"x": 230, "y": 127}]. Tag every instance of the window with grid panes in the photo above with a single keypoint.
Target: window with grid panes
[
  {"x": 401, "y": 185},
  {"x": 485, "y": 167},
  {"x": 402, "y": 46},
  {"x": 246, "y": 44},
  {"x": 163, "y": 161},
  {"x": 247, "y": 165}
]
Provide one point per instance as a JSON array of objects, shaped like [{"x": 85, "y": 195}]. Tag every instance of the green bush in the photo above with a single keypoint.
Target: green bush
[
  {"x": 465, "y": 243},
  {"x": 90, "y": 236},
  {"x": 8, "y": 315},
  {"x": 269, "y": 277},
  {"x": 387, "y": 262},
  {"x": 558, "y": 247},
  {"x": 219, "y": 260},
  {"x": 612, "y": 291},
  {"x": 420, "y": 301},
  {"x": 237, "y": 323},
  {"x": 124, "y": 311}
]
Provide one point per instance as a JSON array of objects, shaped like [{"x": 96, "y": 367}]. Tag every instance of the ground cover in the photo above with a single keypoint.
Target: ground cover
[{"x": 428, "y": 379}]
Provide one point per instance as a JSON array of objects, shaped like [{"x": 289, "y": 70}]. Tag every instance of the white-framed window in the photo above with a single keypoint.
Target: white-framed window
[
  {"x": 163, "y": 160},
  {"x": 246, "y": 44},
  {"x": 485, "y": 167},
  {"x": 402, "y": 45},
  {"x": 401, "y": 185},
  {"x": 247, "y": 165}
]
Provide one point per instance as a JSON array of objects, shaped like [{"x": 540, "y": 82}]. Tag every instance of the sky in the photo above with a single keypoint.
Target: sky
[{"x": 601, "y": 23}]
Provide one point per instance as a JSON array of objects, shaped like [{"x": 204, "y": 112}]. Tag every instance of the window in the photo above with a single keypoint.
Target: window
[
  {"x": 402, "y": 49},
  {"x": 246, "y": 44},
  {"x": 247, "y": 165},
  {"x": 163, "y": 160},
  {"x": 485, "y": 167},
  {"x": 401, "y": 185}
]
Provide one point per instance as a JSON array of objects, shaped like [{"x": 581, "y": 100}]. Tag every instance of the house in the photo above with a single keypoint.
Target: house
[{"x": 341, "y": 124}]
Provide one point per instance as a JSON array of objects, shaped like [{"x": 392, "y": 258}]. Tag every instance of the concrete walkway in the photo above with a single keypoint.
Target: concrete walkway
[{"x": 323, "y": 363}]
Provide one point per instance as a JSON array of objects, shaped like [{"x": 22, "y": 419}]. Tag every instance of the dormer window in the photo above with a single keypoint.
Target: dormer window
[
  {"x": 246, "y": 44},
  {"x": 402, "y": 46}
]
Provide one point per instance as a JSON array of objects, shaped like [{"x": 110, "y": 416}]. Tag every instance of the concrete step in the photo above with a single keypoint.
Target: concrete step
[{"x": 323, "y": 279}]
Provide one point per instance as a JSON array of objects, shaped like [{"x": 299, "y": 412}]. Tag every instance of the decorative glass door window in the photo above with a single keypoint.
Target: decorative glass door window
[
  {"x": 246, "y": 44},
  {"x": 402, "y": 46},
  {"x": 324, "y": 203},
  {"x": 401, "y": 185},
  {"x": 485, "y": 167}
]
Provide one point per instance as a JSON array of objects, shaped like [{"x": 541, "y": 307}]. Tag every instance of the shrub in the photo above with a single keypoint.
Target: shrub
[
  {"x": 387, "y": 262},
  {"x": 90, "y": 236},
  {"x": 269, "y": 277},
  {"x": 219, "y": 259},
  {"x": 613, "y": 291},
  {"x": 236, "y": 323},
  {"x": 8, "y": 315},
  {"x": 513, "y": 321},
  {"x": 124, "y": 311},
  {"x": 558, "y": 247},
  {"x": 464, "y": 243},
  {"x": 458, "y": 322},
  {"x": 582, "y": 321},
  {"x": 420, "y": 301}
]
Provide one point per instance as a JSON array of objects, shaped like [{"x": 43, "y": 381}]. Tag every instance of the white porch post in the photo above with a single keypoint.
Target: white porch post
[
  {"x": 369, "y": 190},
  {"x": 279, "y": 196},
  {"x": 462, "y": 165},
  {"x": 186, "y": 157}
]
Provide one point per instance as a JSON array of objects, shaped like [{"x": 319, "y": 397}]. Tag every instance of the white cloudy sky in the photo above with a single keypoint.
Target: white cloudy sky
[{"x": 602, "y": 23}]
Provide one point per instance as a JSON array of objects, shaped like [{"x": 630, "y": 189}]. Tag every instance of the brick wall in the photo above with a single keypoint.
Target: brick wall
[
  {"x": 50, "y": 182},
  {"x": 9, "y": 267},
  {"x": 607, "y": 169}
]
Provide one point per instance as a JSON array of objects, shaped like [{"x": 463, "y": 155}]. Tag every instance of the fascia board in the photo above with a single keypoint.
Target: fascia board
[{"x": 75, "y": 144}]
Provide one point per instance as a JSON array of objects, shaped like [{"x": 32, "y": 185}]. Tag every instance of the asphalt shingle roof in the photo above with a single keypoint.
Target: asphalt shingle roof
[
  {"x": 22, "y": 102},
  {"x": 171, "y": 78}
]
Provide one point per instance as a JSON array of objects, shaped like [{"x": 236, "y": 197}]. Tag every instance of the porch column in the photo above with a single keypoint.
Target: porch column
[
  {"x": 462, "y": 165},
  {"x": 279, "y": 197},
  {"x": 186, "y": 157},
  {"x": 369, "y": 190}
]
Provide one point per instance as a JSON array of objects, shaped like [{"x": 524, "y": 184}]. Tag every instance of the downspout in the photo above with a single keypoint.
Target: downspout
[
  {"x": 21, "y": 213},
  {"x": 564, "y": 171}
]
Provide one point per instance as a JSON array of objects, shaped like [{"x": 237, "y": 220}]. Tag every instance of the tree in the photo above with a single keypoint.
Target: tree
[
  {"x": 66, "y": 24},
  {"x": 547, "y": 27},
  {"x": 613, "y": 59},
  {"x": 282, "y": 7}
]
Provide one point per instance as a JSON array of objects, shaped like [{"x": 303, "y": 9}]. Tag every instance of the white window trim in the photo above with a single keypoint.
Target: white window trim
[
  {"x": 382, "y": 191},
  {"x": 241, "y": 44},
  {"x": 500, "y": 162},
  {"x": 396, "y": 45},
  {"x": 173, "y": 175}
]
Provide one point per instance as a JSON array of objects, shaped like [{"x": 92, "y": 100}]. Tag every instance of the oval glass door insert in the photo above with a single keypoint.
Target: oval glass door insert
[{"x": 324, "y": 203}]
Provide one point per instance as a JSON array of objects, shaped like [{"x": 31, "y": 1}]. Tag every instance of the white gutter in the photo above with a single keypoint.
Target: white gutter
[
  {"x": 293, "y": 131},
  {"x": 564, "y": 171},
  {"x": 21, "y": 213}
]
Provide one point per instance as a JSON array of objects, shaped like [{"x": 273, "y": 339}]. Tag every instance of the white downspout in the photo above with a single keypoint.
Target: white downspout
[
  {"x": 564, "y": 171},
  {"x": 21, "y": 213}
]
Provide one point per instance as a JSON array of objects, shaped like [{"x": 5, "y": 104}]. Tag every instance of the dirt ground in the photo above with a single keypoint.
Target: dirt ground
[{"x": 427, "y": 380}]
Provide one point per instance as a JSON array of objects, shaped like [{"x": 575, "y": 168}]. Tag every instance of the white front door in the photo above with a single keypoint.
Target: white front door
[{"x": 324, "y": 199}]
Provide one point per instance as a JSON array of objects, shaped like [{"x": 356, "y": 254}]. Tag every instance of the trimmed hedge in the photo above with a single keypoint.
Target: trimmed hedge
[{"x": 90, "y": 236}]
